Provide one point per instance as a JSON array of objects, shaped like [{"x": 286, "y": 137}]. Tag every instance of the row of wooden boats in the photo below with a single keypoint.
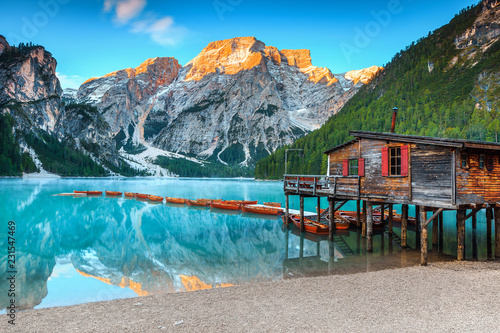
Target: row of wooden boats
[{"x": 269, "y": 208}]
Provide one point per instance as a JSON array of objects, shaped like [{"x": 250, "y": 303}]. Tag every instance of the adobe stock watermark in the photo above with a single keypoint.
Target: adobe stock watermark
[
  {"x": 31, "y": 25},
  {"x": 223, "y": 6},
  {"x": 372, "y": 29}
]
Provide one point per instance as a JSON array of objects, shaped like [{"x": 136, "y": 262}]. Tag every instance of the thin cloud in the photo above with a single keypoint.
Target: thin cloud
[
  {"x": 69, "y": 81},
  {"x": 162, "y": 30},
  {"x": 125, "y": 10}
]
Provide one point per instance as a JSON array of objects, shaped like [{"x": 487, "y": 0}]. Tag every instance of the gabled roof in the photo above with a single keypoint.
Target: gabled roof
[
  {"x": 443, "y": 142},
  {"x": 340, "y": 146}
]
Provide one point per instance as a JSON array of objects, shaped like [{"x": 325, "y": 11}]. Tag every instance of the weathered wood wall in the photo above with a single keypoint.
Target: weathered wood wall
[
  {"x": 431, "y": 173},
  {"x": 475, "y": 185}
]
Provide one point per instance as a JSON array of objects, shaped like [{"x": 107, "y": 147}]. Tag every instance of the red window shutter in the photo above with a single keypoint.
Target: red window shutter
[
  {"x": 361, "y": 167},
  {"x": 404, "y": 161},
  {"x": 345, "y": 168},
  {"x": 385, "y": 161}
]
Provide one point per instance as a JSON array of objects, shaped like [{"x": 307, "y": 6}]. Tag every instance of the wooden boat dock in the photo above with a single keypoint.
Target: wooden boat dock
[{"x": 433, "y": 174}]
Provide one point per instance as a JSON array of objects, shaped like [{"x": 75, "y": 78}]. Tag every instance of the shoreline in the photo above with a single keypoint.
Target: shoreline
[{"x": 444, "y": 296}]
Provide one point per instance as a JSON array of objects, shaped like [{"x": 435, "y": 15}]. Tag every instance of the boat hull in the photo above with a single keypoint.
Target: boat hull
[{"x": 261, "y": 210}]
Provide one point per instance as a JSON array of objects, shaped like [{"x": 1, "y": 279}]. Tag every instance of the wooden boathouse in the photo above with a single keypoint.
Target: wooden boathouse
[{"x": 433, "y": 174}]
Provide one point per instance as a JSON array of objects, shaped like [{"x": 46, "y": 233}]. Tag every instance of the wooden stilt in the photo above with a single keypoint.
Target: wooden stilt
[
  {"x": 435, "y": 223},
  {"x": 287, "y": 210},
  {"x": 461, "y": 234},
  {"x": 369, "y": 227},
  {"x": 287, "y": 236},
  {"x": 441, "y": 234},
  {"x": 417, "y": 227},
  {"x": 363, "y": 227},
  {"x": 489, "y": 216},
  {"x": 318, "y": 209},
  {"x": 302, "y": 226},
  {"x": 301, "y": 247},
  {"x": 358, "y": 213},
  {"x": 423, "y": 237},
  {"x": 331, "y": 223},
  {"x": 382, "y": 213},
  {"x": 497, "y": 231},
  {"x": 391, "y": 217},
  {"x": 404, "y": 226},
  {"x": 474, "y": 236},
  {"x": 382, "y": 244}
]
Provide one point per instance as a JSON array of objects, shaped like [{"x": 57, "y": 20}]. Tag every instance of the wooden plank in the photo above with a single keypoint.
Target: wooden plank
[
  {"x": 318, "y": 210},
  {"x": 435, "y": 223},
  {"x": 363, "y": 227},
  {"x": 331, "y": 223},
  {"x": 358, "y": 213},
  {"x": 417, "y": 226}
]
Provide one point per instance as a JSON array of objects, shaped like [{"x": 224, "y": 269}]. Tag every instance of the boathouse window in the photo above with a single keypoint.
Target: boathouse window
[
  {"x": 481, "y": 161},
  {"x": 353, "y": 167},
  {"x": 395, "y": 161},
  {"x": 464, "y": 158}
]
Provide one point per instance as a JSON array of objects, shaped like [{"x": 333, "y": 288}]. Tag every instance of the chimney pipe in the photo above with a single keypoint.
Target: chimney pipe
[{"x": 394, "y": 114}]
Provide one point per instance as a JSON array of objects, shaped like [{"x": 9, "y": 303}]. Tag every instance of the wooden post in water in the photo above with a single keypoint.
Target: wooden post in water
[
  {"x": 497, "y": 231},
  {"x": 474, "y": 236},
  {"x": 489, "y": 216},
  {"x": 391, "y": 217},
  {"x": 423, "y": 237},
  {"x": 287, "y": 210},
  {"x": 331, "y": 214},
  {"x": 417, "y": 226},
  {"x": 318, "y": 210},
  {"x": 302, "y": 226},
  {"x": 358, "y": 213},
  {"x": 363, "y": 227},
  {"x": 435, "y": 231},
  {"x": 404, "y": 226},
  {"x": 369, "y": 227},
  {"x": 461, "y": 234}
]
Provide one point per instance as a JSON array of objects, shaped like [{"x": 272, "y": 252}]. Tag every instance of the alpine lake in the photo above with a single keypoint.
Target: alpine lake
[{"x": 71, "y": 250}]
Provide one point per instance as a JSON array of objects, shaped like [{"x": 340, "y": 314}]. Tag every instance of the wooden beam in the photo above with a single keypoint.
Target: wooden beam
[
  {"x": 318, "y": 210},
  {"x": 391, "y": 217},
  {"x": 363, "y": 229},
  {"x": 358, "y": 213},
  {"x": 496, "y": 210},
  {"x": 473, "y": 213},
  {"x": 404, "y": 226},
  {"x": 489, "y": 217},
  {"x": 331, "y": 222},
  {"x": 423, "y": 238},
  {"x": 436, "y": 213},
  {"x": 369, "y": 227},
  {"x": 435, "y": 231},
  {"x": 287, "y": 210},
  {"x": 418, "y": 224},
  {"x": 461, "y": 234},
  {"x": 441, "y": 233},
  {"x": 302, "y": 226}
]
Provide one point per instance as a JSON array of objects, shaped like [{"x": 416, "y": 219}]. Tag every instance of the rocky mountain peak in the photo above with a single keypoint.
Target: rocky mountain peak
[
  {"x": 3, "y": 44},
  {"x": 365, "y": 75}
]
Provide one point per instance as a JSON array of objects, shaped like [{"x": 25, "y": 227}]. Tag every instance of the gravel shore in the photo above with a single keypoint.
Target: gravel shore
[{"x": 442, "y": 297}]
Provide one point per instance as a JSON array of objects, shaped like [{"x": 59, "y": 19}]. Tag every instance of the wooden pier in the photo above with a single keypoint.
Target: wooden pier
[{"x": 433, "y": 174}]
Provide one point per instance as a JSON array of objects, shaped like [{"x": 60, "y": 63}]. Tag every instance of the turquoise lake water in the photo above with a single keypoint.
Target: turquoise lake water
[{"x": 77, "y": 250}]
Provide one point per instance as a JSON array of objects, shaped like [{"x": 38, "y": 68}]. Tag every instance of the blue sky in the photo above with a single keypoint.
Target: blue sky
[{"x": 94, "y": 37}]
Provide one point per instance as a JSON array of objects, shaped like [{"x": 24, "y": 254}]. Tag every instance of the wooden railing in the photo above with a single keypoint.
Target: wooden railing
[{"x": 312, "y": 184}]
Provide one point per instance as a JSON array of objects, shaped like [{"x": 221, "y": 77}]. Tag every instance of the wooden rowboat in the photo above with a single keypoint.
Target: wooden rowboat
[
  {"x": 261, "y": 210},
  {"x": 113, "y": 193},
  {"x": 198, "y": 202},
  {"x": 310, "y": 225},
  {"x": 155, "y": 198},
  {"x": 225, "y": 205},
  {"x": 130, "y": 194},
  {"x": 241, "y": 202},
  {"x": 89, "y": 192},
  {"x": 272, "y": 204},
  {"x": 180, "y": 201},
  {"x": 141, "y": 196}
]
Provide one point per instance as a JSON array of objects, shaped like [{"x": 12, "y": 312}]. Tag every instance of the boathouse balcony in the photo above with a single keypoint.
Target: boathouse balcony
[{"x": 339, "y": 187}]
